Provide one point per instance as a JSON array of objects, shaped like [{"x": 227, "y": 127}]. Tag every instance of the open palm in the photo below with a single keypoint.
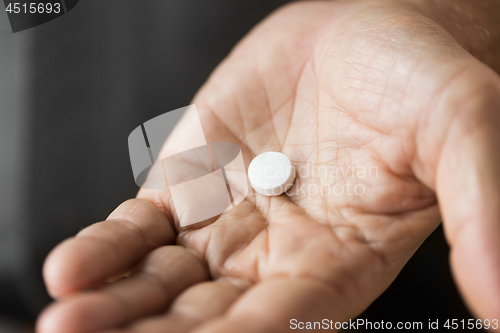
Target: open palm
[{"x": 381, "y": 112}]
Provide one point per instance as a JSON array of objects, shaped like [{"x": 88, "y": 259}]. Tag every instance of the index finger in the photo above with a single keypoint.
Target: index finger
[{"x": 107, "y": 248}]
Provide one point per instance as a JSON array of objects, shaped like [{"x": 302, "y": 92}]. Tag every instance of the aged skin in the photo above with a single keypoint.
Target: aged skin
[{"x": 406, "y": 86}]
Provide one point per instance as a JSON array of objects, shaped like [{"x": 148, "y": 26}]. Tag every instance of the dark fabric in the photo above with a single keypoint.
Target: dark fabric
[{"x": 106, "y": 67}]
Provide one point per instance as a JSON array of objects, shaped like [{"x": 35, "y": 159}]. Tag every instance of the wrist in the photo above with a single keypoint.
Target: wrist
[{"x": 474, "y": 24}]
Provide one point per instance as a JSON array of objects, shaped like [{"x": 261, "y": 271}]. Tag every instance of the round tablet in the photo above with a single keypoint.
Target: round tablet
[{"x": 271, "y": 173}]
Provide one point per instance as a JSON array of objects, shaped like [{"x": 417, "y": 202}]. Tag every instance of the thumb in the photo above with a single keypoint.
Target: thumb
[{"x": 467, "y": 182}]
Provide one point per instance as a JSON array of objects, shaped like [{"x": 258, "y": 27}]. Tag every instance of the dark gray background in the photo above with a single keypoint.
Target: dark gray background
[{"x": 73, "y": 89}]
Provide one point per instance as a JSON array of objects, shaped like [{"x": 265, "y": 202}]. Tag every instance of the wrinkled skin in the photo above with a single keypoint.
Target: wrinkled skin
[{"x": 389, "y": 84}]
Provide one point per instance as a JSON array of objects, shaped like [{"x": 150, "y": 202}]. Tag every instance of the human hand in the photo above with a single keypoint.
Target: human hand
[{"x": 369, "y": 84}]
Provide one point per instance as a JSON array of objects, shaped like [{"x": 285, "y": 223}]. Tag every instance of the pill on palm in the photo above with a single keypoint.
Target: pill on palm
[{"x": 271, "y": 173}]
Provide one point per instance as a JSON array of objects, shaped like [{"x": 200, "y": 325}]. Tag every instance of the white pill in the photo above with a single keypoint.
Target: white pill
[{"x": 271, "y": 173}]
